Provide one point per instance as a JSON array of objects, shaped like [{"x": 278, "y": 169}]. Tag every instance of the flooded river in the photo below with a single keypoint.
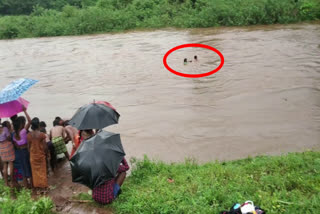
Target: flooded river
[{"x": 265, "y": 99}]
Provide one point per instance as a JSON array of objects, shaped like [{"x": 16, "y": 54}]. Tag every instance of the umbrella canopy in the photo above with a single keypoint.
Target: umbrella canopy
[
  {"x": 97, "y": 159},
  {"x": 106, "y": 103},
  {"x": 15, "y": 89},
  {"x": 13, "y": 107},
  {"x": 94, "y": 116}
]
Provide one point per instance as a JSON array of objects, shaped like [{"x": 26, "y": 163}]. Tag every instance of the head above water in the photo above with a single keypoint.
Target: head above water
[
  {"x": 195, "y": 57},
  {"x": 185, "y": 60}
]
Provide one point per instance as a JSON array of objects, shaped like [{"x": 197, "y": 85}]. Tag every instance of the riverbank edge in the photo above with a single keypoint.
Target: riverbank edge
[
  {"x": 151, "y": 29},
  {"x": 288, "y": 183}
]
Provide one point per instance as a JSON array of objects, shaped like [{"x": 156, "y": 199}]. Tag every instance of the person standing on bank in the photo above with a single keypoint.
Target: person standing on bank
[
  {"x": 37, "y": 147},
  {"x": 58, "y": 137},
  {"x": 20, "y": 141},
  {"x": 6, "y": 152}
]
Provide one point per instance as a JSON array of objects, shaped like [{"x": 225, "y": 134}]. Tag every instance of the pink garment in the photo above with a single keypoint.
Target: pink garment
[
  {"x": 5, "y": 134},
  {"x": 23, "y": 138}
]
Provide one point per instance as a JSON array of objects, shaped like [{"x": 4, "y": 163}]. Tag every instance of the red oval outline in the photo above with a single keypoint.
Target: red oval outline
[{"x": 188, "y": 46}]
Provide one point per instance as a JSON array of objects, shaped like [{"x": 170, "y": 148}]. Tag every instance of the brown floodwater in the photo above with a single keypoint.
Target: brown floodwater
[{"x": 265, "y": 99}]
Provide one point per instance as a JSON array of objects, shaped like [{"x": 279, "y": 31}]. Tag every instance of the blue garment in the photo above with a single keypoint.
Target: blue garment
[
  {"x": 116, "y": 189},
  {"x": 17, "y": 169},
  {"x": 22, "y": 155}
]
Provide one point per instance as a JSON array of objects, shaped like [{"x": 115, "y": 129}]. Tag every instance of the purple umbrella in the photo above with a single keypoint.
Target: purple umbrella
[{"x": 13, "y": 107}]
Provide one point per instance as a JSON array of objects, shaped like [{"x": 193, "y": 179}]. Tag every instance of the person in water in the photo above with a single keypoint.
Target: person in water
[
  {"x": 185, "y": 61},
  {"x": 195, "y": 58}
]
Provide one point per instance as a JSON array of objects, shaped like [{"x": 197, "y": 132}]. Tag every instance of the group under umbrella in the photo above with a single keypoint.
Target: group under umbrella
[
  {"x": 97, "y": 159},
  {"x": 94, "y": 116}
]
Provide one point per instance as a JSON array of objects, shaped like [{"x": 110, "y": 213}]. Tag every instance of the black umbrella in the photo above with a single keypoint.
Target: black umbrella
[
  {"x": 94, "y": 116},
  {"x": 97, "y": 159}
]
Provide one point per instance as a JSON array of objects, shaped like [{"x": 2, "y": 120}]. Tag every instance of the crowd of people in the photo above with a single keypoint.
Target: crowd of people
[{"x": 26, "y": 156}]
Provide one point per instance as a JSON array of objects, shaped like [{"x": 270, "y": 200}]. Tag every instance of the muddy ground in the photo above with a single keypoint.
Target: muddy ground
[{"x": 63, "y": 190}]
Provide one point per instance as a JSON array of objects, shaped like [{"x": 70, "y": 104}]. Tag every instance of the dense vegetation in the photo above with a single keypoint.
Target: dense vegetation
[
  {"x": 284, "y": 184},
  {"x": 22, "y": 203},
  {"x": 37, "y": 18}
]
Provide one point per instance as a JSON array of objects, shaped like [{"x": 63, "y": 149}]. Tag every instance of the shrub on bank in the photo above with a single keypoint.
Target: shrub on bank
[
  {"x": 22, "y": 203},
  {"x": 284, "y": 184},
  {"x": 115, "y": 15}
]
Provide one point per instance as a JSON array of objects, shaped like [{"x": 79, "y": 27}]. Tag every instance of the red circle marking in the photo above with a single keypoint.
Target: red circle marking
[{"x": 197, "y": 46}]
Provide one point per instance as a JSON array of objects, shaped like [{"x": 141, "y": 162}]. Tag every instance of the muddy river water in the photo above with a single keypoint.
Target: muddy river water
[{"x": 265, "y": 99}]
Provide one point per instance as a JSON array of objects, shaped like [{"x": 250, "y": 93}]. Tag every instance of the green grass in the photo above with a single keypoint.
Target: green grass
[
  {"x": 283, "y": 184},
  {"x": 118, "y": 15},
  {"x": 20, "y": 202}
]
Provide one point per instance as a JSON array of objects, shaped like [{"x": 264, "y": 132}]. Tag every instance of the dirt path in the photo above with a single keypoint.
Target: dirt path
[{"x": 63, "y": 189}]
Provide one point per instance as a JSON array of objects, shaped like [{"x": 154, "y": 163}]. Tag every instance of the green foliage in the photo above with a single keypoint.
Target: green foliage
[
  {"x": 285, "y": 184},
  {"x": 23, "y": 204},
  {"x": 75, "y": 17}
]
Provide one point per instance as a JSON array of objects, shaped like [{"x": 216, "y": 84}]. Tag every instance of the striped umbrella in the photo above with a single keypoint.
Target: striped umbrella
[{"x": 15, "y": 89}]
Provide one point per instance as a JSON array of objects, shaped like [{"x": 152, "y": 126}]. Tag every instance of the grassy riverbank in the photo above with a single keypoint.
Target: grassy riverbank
[
  {"x": 20, "y": 202},
  {"x": 96, "y": 16},
  {"x": 283, "y": 184},
  {"x": 279, "y": 184}
]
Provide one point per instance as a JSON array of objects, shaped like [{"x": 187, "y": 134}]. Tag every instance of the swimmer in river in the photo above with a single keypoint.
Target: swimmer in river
[
  {"x": 195, "y": 58},
  {"x": 185, "y": 61}
]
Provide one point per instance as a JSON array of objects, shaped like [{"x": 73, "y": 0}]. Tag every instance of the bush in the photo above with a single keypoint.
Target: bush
[
  {"x": 115, "y": 15},
  {"x": 285, "y": 184},
  {"x": 23, "y": 204}
]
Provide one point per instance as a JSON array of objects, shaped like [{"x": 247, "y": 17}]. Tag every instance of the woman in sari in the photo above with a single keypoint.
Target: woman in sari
[
  {"x": 6, "y": 152},
  {"x": 17, "y": 169},
  {"x": 37, "y": 147}
]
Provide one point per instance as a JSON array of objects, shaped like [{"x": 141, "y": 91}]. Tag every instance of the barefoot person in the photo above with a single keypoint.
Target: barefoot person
[
  {"x": 17, "y": 170},
  {"x": 51, "y": 155},
  {"x": 73, "y": 136},
  {"x": 38, "y": 149},
  {"x": 107, "y": 192},
  {"x": 6, "y": 153},
  {"x": 58, "y": 136},
  {"x": 20, "y": 141}
]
